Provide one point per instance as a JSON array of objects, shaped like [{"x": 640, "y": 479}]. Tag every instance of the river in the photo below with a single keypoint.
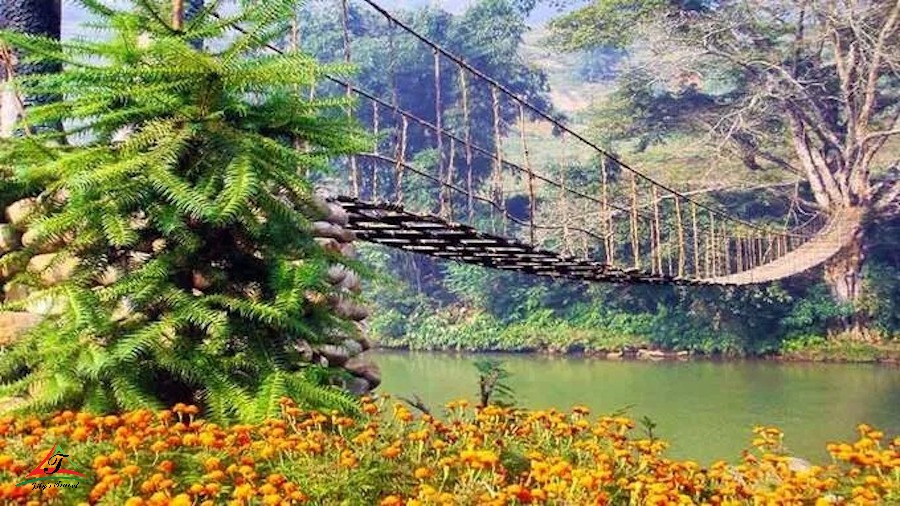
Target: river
[{"x": 705, "y": 409}]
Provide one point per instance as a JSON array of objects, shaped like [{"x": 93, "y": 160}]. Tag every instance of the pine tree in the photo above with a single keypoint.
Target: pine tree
[{"x": 174, "y": 200}]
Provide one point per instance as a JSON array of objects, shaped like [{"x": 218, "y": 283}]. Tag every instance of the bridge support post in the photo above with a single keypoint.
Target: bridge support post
[{"x": 342, "y": 350}]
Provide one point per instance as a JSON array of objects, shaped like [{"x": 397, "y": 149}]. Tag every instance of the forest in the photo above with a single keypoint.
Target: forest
[{"x": 697, "y": 120}]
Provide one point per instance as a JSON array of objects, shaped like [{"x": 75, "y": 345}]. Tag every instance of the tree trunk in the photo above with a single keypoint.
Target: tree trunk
[
  {"x": 38, "y": 17},
  {"x": 843, "y": 272},
  {"x": 843, "y": 275}
]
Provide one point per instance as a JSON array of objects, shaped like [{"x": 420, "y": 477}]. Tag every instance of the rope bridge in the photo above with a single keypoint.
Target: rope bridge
[{"x": 470, "y": 170}]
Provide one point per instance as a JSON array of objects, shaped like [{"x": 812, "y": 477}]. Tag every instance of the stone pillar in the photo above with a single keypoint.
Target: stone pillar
[{"x": 343, "y": 349}]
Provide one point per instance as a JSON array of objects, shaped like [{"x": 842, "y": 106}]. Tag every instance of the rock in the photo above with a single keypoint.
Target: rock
[
  {"x": 347, "y": 250},
  {"x": 321, "y": 206},
  {"x": 337, "y": 215},
  {"x": 326, "y": 229},
  {"x": 60, "y": 197},
  {"x": 9, "y": 238},
  {"x": 351, "y": 282},
  {"x": 336, "y": 273},
  {"x": 304, "y": 349},
  {"x": 358, "y": 366},
  {"x": 123, "y": 310},
  {"x": 645, "y": 354},
  {"x": 798, "y": 465},
  {"x": 614, "y": 355},
  {"x": 315, "y": 297},
  {"x": 336, "y": 355},
  {"x": 200, "y": 281},
  {"x": 253, "y": 291},
  {"x": 346, "y": 235},
  {"x": 363, "y": 342},
  {"x": 53, "y": 267},
  {"x": 29, "y": 238},
  {"x": 12, "y": 267},
  {"x": 13, "y": 292},
  {"x": 14, "y": 324},
  {"x": 136, "y": 259},
  {"x": 139, "y": 221},
  {"x": 351, "y": 310},
  {"x": 19, "y": 211},
  {"x": 357, "y": 385},
  {"x": 352, "y": 347},
  {"x": 329, "y": 244},
  {"x": 110, "y": 275},
  {"x": 47, "y": 305}
]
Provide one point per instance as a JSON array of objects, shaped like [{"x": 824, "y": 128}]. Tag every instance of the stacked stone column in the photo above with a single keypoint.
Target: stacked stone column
[
  {"x": 12, "y": 233},
  {"x": 343, "y": 349}
]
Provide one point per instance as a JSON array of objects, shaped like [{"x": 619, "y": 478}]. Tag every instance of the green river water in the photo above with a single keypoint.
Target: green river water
[{"x": 706, "y": 410}]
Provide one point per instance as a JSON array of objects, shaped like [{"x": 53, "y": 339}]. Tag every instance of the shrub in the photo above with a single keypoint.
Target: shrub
[{"x": 183, "y": 180}]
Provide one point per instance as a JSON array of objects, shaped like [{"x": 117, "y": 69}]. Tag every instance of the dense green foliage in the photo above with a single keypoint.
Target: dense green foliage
[
  {"x": 487, "y": 310},
  {"x": 449, "y": 306},
  {"x": 197, "y": 207}
]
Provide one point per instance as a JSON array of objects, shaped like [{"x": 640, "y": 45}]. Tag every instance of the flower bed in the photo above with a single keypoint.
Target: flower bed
[{"x": 391, "y": 457}]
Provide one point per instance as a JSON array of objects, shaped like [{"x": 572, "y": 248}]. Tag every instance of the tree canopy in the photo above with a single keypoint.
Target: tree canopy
[{"x": 808, "y": 87}]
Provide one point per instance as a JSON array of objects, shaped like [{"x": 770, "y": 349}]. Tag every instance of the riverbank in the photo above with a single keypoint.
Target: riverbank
[
  {"x": 617, "y": 337},
  {"x": 836, "y": 352}
]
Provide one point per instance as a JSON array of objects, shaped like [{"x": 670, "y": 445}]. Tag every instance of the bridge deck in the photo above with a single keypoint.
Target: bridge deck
[
  {"x": 838, "y": 233},
  {"x": 391, "y": 225}
]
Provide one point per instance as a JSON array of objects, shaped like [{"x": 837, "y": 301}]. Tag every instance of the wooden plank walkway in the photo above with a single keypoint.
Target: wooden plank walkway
[
  {"x": 391, "y": 225},
  {"x": 839, "y": 232}
]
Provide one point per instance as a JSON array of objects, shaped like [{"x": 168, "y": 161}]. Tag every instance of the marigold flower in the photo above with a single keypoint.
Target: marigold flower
[
  {"x": 181, "y": 500},
  {"x": 422, "y": 473},
  {"x": 391, "y": 500}
]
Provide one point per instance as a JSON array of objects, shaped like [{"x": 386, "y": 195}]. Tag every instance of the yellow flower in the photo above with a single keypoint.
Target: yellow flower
[
  {"x": 422, "y": 473},
  {"x": 391, "y": 500}
]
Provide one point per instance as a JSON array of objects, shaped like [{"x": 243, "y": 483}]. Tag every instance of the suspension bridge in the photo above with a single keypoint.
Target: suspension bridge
[{"x": 441, "y": 185}]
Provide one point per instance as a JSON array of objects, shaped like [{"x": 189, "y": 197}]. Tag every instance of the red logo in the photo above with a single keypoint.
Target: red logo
[{"x": 52, "y": 469}]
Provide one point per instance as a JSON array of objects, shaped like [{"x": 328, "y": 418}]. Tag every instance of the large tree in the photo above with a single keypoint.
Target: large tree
[
  {"x": 808, "y": 86},
  {"x": 179, "y": 226}
]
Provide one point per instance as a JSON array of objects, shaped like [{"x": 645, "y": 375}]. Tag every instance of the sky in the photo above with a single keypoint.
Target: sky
[{"x": 73, "y": 16}]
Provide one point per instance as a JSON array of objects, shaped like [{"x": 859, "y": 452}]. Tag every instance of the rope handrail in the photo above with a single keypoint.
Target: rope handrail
[
  {"x": 618, "y": 218},
  {"x": 555, "y": 122},
  {"x": 559, "y": 124}
]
